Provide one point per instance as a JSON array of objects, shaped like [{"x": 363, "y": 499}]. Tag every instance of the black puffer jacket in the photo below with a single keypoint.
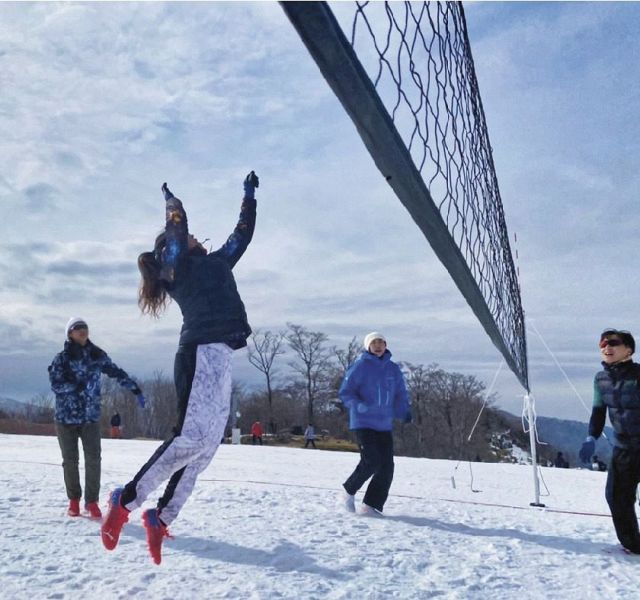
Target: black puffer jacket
[
  {"x": 203, "y": 284},
  {"x": 617, "y": 391}
]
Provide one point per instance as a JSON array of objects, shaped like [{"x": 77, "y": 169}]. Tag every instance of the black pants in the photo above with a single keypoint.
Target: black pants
[
  {"x": 256, "y": 437},
  {"x": 622, "y": 480},
  {"x": 376, "y": 459},
  {"x": 184, "y": 368},
  {"x": 310, "y": 441}
]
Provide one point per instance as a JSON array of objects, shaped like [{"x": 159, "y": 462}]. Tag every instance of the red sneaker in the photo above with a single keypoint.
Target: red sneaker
[
  {"x": 117, "y": 516},
  {"x": 156, "y": 532},
  {"x": 94, "y": 510},
  {"x": 74, "y": 507}
]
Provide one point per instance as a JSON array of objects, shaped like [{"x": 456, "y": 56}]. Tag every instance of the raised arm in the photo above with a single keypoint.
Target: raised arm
[
  {"x": 176, "y": 232},
  {"x": 238, "y": 241}
]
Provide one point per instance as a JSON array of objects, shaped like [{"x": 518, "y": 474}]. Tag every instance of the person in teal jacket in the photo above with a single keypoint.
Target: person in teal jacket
[
  {"x": 375, "y": 394},
  {"x": 617, "y": 392}
]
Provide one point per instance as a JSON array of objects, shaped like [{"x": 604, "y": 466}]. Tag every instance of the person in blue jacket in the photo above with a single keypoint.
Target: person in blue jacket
[
  {"x": 75, "y": 380},
  {"x": 617, "y": 391},
  {"x": 214, "y": 325},
  {"x": 375, "y": 393}
]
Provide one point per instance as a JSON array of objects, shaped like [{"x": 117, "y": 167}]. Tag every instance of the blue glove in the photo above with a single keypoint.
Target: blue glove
[
  {"x": 140, "y": 399},
  {"x": 587, "y": 450},
  {"x": 251, "y": 182},
  {"x": 408, "y": 417}
]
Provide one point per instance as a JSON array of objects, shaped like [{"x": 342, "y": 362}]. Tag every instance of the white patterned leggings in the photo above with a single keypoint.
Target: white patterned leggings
[{"x": 182, "y": 458}]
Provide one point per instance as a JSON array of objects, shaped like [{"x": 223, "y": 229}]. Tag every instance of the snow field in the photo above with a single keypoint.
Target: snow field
[{"x": 263, "y": 523}]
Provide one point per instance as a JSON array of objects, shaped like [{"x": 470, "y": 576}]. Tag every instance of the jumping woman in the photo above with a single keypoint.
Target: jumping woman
[{"x": 214, "y": 325}]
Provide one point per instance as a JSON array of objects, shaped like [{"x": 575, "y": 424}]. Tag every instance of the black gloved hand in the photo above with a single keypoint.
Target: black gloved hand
[
  {"x": 251, "y": 182},
  {"x": 167, "y": 192}
]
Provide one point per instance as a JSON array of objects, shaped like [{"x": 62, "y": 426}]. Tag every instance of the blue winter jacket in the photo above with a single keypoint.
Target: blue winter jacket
[
  {"x": 75, "y": 380},
  {"x": 374, "y": 392}
]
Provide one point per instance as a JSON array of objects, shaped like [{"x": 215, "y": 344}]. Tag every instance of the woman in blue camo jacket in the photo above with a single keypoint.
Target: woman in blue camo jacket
[{"x": 75, "y": 380}]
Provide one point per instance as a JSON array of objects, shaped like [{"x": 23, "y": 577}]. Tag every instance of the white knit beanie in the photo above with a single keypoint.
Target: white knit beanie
[
  {"x": 73, "y": 321},
  {"x": 374, "y": 335}
]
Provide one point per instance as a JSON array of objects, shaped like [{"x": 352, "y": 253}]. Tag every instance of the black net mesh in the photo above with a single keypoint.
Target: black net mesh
[{"x": 418, "y": 56}]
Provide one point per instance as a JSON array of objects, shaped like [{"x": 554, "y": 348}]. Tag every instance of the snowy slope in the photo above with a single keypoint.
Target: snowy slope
[{"x": 262, "y": 524}]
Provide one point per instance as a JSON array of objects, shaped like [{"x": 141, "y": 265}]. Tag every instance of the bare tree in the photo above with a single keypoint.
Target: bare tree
[
  {"x": 463, "y": 403},
  {"x": 41, "y": 409},
  {"x": 314, "y": 358},
  {"x": 262, "y": 351},
  {"x": 161, "y": 413},
  {"x": 158, "y": 417},
  {"x": 444, "y": 406},
  {"x": 419, "y": 380},
  {"x": 347, "y": 357}
]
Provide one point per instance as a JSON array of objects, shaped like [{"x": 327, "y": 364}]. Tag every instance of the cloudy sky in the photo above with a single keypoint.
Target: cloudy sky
[{"x": 101, "y": 103}]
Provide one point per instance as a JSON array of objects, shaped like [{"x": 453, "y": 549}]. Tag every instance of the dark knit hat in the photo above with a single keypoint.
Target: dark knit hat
[{"x": 625, "y": 336}]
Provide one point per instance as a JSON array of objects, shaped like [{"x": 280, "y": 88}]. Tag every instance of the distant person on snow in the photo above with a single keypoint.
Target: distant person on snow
[
  {"x": 375, "y": 393},
  {"x": 75, "y": 380},
  {"x": 617, "y": 391},
  {"x": 116, "y": 423},
  {"x": 597, "y": 464},
  {"x": 214, "y": 325},
  {"x": 561, "y": 463},
  {"x": 310, "y": 436},
  {"x": 256, "y": 433}
]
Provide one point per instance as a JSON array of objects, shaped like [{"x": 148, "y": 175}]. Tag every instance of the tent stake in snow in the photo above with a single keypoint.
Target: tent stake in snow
[{"x": 532, "y": 440}]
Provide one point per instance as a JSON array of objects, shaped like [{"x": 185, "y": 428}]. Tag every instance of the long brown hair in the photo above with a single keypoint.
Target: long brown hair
[{"x": 152, "y": 294}]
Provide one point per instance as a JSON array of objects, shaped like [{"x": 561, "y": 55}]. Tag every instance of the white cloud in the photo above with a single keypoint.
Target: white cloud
[{"x": 111, "y": 99}]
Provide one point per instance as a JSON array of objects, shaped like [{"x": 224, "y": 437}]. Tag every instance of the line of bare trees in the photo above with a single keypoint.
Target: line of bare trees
[
  {"x": 317, "y": 368},
  {"x": 445, "y": 405},
  {"x": 302, "y": 374}
]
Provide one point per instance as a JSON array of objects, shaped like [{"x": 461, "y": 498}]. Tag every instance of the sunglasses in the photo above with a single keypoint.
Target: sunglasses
[
  {"x": 613, "y": 343},
  {"x": 79, "y": 326}
]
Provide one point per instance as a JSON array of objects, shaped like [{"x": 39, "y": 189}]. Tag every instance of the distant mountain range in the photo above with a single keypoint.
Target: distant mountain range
[
  {"x": 565, "y": 436},
  {"x": 13, "y": 407}
]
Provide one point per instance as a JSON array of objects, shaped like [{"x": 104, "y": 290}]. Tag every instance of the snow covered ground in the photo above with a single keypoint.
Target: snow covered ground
[{"x": 262, "y": 524}]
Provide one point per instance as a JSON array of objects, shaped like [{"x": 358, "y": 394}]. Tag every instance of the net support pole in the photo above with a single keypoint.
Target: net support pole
[
  {"x": 528, "y": 399},
  {"x": 322, "y": 35}
]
